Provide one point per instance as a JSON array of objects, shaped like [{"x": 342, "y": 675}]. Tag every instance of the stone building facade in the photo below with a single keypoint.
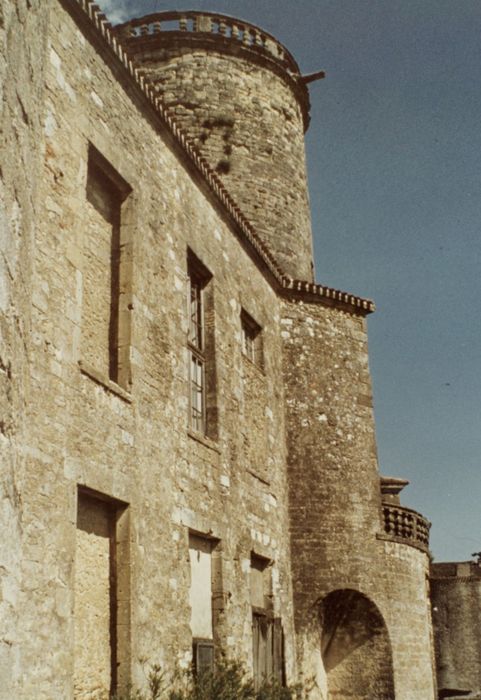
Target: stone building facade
[
  {"x": 188, "y": 449},
  {"x": 456, "y": 601}
]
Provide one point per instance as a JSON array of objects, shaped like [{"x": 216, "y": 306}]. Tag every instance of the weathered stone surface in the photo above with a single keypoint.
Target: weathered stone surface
[
  {"x": 81, "y": 432},
  {"x": 92, "y": 601},
  {"x": 456, "y": 599},
  {"x": 23, "y": 35},
  {"x": 335, "y": 499},
  {"x": 244, "y": 113},
  {"x": 287, "y": 476}
]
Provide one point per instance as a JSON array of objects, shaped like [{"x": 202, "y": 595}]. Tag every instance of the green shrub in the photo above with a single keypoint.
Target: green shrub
[{"x": 228, "y": 681}]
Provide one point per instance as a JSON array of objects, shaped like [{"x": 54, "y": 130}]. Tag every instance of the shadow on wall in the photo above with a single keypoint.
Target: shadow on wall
[{"x": 355, "y": 648}]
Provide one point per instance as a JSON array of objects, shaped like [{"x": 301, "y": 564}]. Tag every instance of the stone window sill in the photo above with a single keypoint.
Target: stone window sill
[
  {"x": 204, "y": 440},
  {"x": 104, "y": 381},
  {"x": 257, "y": 366}
]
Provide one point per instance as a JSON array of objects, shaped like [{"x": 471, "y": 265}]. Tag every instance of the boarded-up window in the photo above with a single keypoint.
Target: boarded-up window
[
  {"x": 202, "y": 576},
  {"x": 268, "y": 652},
  {"x": 259, "y": 582},
  {"x": 101, "y": 610},
  {"x": 200, "y": 554},
  {"x": 105, "y": 318}
]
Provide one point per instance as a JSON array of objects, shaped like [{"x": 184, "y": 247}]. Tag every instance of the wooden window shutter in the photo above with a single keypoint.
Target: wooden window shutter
[{"x": 278, "y": 671}]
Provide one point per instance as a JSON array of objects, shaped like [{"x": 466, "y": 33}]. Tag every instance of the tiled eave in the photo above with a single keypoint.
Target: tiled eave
[
  {"x": 332, "y": 297},
  {"x": 99, "y": 30}
]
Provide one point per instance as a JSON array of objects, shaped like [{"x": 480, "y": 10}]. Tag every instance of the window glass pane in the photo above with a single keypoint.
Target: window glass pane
[
  {"x": 195, "y": 330},
  {"x": 197, "y": 392},
  {"x": 201, "y": 359},
  {"x": 203, "y": 657}
]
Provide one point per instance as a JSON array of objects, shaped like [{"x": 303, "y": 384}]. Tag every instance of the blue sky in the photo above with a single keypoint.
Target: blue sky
[{"x": 394, "y": 167}]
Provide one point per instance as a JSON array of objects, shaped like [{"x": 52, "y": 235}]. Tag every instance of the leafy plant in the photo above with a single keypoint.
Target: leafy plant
[{"x": 228, "y": 681}]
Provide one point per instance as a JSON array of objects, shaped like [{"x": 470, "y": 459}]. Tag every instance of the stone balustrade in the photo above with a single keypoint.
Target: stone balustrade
[
  {"x": 406, "y": 525},
  {"x": 223, "y": 26}
]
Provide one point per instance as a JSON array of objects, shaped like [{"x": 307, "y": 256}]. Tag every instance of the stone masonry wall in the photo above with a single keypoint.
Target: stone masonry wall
[
  {"x": 335, "y": 496},
  {"x": 247, "y": 123},
  {"x": 70, "y": 430},
  {"x": 86, "y": 431},
  {"x": 23, "y": 27},
  {"x": 456, "y": 600}
]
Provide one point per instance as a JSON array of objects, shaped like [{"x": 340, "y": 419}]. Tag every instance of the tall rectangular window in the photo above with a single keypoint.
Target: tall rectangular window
[
  {"x": 101, "y": 609},
  {"x": 197, "y": 355},
  {"x": 201, "y": 621},
  {"x": 200, "y": 342},
  {"x": 267, "y": 636},
  {"x": 106, "y": 283},
  {"x": 251, "y": 334}
]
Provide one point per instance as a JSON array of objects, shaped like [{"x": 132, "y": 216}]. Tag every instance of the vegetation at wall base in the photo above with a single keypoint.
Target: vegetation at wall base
[{"x": 228, "y": 681}]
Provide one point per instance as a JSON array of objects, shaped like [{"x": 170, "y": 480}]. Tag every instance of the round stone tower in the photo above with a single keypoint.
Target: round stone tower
[{"x": 238, "y": 93}]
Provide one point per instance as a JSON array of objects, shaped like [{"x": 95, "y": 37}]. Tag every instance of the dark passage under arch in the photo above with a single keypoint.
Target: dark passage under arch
[{"x": 355, "y": 647}]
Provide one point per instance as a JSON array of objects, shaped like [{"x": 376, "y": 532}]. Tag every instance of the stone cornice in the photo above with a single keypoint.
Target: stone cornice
[{"x": 88, "y": 14}]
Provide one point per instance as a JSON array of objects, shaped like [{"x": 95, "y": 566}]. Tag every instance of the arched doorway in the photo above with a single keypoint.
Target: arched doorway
[{"x": 355, "y": 648}]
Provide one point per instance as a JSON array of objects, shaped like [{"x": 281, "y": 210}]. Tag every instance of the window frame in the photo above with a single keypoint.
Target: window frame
[
  {"x": 195, "y": 344},
  {"x": 267, "y": 632},
  {"x": 251, "y": 339},
  {"x": 200, "y": 346},
  {"x": 117, "y": 513},
  {"x": 197, "y": 644},
  {"x": 200, "y": 541},
  {"x": 100, "y": 173}
]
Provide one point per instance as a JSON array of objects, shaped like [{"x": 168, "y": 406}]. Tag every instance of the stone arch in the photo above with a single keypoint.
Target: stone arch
[{"x": 355, "y": 648}]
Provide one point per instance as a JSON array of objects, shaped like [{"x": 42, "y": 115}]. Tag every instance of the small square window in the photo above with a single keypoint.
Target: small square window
[
  {"x": 251, "y": 339},
  {"x": 203, "y": 656}
]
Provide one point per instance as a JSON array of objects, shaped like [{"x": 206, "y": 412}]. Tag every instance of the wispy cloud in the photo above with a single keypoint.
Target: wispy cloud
[{"x": 116, "y": 10}]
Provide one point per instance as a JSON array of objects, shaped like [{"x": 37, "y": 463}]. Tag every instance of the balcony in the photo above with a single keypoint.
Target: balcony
[
  {"x": 202, "y": 23},
  {"x": 405, "y": 526}
]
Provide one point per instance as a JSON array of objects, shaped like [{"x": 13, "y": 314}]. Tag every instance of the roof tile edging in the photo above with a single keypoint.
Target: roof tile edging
[
  {"x": 306, "y": 287},
  {"x": 100, "y": 21}
]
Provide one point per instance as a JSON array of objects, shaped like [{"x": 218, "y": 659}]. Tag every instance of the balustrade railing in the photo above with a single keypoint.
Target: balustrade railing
[
  {"x": 405, "y": 524},
  {"x": 221, "y": 25}
]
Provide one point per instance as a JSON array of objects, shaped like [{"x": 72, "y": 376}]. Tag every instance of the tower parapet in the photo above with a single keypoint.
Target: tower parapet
[
  {"x": 401, "y": 524},
  {"x": 239, "y": 95}
]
